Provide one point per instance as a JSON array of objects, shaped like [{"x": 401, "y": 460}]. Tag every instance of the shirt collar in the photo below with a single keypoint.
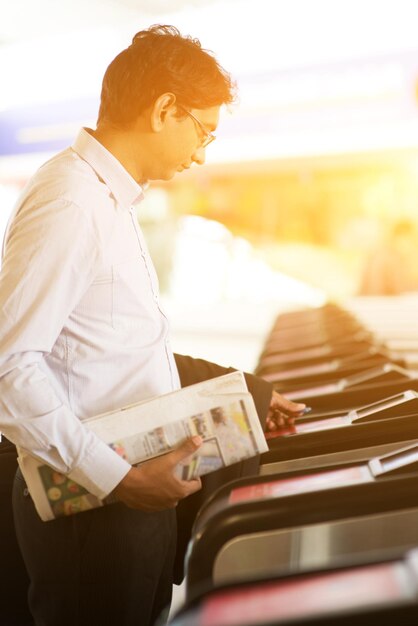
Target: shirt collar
[{"x": 123, "y": 187}]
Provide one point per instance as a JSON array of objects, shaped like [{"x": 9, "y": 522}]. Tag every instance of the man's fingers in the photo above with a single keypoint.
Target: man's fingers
[
  {"x": 293, "y": 407},
  {"x": 278, "y": 420},
  {"x": 280, "y": 403},
  {"x": 193, "y": 485}
]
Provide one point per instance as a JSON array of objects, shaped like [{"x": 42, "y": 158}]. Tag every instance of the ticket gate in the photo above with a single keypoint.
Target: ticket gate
[
  {"x": 318, "y": 354},
  {"x": 325, "y": 373},
  {"x": 314, "y": 333},
  {"x": 319, "y": 315},
  {"x": 358, "y": 338},
  {"x": 299, "y": 520},
  {"x": 358, "y": 394},
  {"x": 357, "y": 435},
  {"x": 380, "y": 591},
  {"x": 327, "y": 366},
  {"x": 399, "y": 405},
  {"x": 386, "y": 373}
]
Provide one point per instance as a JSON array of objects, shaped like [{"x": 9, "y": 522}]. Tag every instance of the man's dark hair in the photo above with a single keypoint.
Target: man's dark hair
[{"x": 158, "y": 61}]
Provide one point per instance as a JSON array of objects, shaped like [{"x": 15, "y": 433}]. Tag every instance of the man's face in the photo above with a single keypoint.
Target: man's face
[{"x": 183, "y": 141}]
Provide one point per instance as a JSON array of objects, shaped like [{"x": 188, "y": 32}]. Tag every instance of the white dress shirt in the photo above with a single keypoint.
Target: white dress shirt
[{"x": 81, "y": 328}]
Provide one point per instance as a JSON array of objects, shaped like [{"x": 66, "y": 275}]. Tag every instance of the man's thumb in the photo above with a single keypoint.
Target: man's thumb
[{"x": 187, "y": 448}]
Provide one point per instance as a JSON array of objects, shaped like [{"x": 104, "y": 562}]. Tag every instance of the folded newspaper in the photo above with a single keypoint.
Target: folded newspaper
[{"x": 220, "y": 410}]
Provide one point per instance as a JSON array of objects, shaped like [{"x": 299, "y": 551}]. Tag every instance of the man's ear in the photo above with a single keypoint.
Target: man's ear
[{"x": 163, "y": 106}]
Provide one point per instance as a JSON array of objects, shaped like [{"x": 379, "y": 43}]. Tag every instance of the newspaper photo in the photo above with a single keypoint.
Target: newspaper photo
[{"x": 220, "y": 410}]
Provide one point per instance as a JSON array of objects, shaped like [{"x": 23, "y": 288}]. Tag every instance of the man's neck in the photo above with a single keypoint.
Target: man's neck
[{"x": 120, "y": 143}]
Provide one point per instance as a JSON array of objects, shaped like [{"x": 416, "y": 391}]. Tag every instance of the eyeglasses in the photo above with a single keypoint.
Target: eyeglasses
[{"x": 208, "y": 137}]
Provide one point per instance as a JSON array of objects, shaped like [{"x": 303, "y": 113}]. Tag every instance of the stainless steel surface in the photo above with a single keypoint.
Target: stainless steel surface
[
  {"x": 318, "y": 545},
  {"x": 335, "y": 458}
]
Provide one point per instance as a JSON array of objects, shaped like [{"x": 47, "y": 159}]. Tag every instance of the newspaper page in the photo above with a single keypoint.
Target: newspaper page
[{"x": 220, "y": 410}]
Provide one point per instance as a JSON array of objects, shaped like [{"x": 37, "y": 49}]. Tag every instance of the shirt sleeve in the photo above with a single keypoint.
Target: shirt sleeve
[{"x": 50, "y": 257}]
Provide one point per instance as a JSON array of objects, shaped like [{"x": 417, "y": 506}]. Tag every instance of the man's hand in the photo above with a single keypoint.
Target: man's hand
[
  {"x": 282, "y": 412},
  {"x": 153, "y": 486}
]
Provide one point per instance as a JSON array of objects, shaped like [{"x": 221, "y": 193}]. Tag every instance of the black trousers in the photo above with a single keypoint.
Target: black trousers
[
  {"x": 14, "y": 579},
  {"x": 111, "y": 565}
]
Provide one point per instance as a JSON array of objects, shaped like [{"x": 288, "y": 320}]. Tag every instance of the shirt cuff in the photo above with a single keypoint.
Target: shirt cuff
[{"x": 101, "y": 470}]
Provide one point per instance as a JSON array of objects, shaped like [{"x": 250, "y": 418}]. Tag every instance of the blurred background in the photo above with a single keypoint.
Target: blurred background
[{"x": 309, "y": 193}]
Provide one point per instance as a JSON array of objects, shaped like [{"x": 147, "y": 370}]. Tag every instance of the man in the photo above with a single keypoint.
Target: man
[{"x": 82, "y": 332}]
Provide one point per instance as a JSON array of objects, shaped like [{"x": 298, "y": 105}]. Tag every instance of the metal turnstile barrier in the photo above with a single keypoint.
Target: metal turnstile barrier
[
  {"x": 300, "y": 520},
  {"x": 381, "y": 590}
]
